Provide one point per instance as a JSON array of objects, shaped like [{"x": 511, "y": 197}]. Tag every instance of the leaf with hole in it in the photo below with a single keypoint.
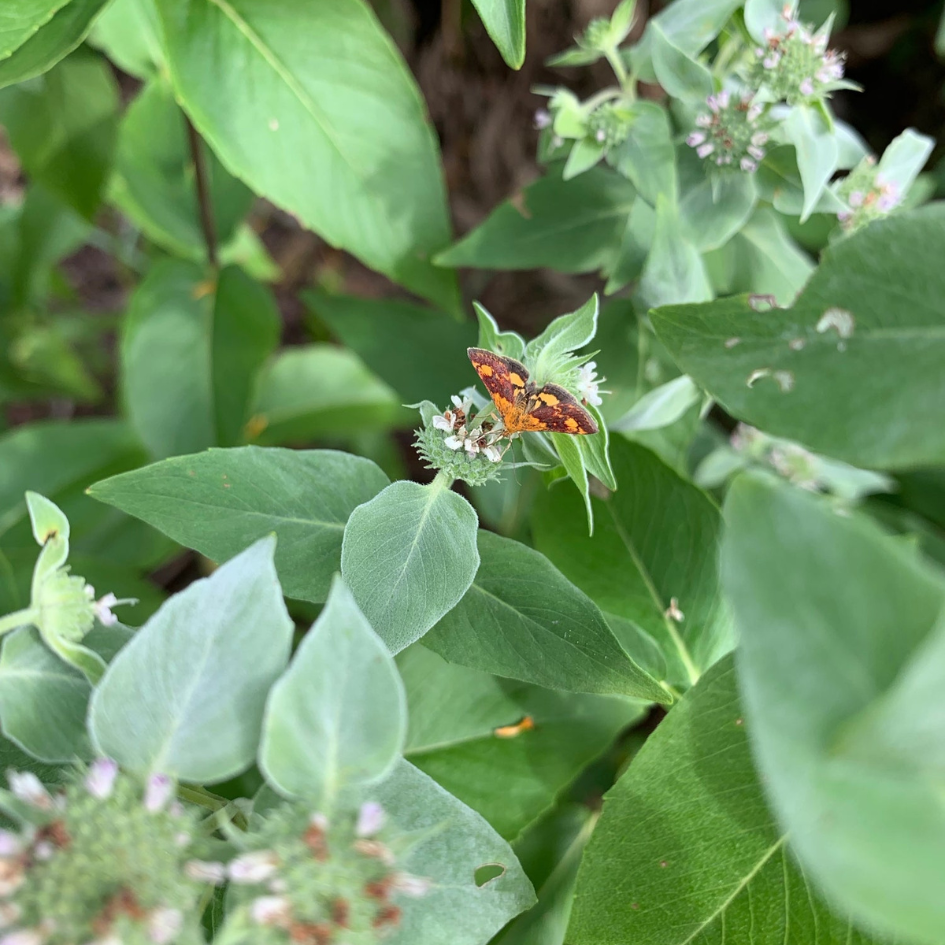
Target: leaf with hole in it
[
  {"x": 185, "y": 696},
  {"x": 523, "y": 619},
  {"x": 697, "y": 857},
  {"x": 656, "y": 540},
  {"x": 408, "y": 556},
  {"x": 476, "y": 881},
  {"x": 52, "y": 42},
  {"x": 324, "y": 119},
  {"x": 338, "y": 717},
  {"x": 221, "y": 501},
  {"x": 853, "y": 369},
  {"x": 465, "y": 725},
  {"x": 845, "y": 694}
]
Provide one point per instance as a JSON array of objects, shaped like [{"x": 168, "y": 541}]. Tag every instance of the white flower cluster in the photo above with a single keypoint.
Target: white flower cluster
[
  {"x": 482, "y": 438},
  {"x": 587, "y": 384}
]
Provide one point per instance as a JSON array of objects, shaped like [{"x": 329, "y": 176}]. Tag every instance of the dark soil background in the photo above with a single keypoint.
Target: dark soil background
[{"x": 483, "y": 113}]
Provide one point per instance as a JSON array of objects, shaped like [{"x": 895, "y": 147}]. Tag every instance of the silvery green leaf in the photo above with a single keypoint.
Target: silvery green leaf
[
  {"x": 661, "y": 406},
  {"x": 408, "y": 556},
  {"x": 185, "y": 696},
  {"x": 904, "y": 158},
  {"x": 338, "y": 717},
  {"x": 680, "y": 74},
  {"x": 509, "y": 344},
  {"x": 817, "y": 152}
]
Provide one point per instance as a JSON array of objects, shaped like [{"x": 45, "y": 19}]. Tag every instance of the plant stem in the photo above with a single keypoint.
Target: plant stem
[
  {"x": 442, "y": 481},
  {"x": 616, "y": 63},
  {"x": 203, "y": 194},
  {"x": 20, "y": 618}
]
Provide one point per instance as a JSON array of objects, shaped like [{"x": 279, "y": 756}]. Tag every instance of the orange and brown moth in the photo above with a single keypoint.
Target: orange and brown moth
[{"x": 523, "y": 406}]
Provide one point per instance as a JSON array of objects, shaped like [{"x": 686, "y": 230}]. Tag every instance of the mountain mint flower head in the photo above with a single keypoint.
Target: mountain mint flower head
[
  {"x": 609, "y": 124},
  {"x": 794, "y": 63},
  {"x": 464, "y": 444},
  {"x": 95, "y": 863},
  {"x": 868, "y": 195},
  {"x": 733, "y": 133},
  {"x": 305, "y": 879}
]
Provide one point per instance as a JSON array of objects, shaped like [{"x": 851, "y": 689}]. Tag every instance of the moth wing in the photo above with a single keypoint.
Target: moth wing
[
  {"x": 505, "y": 378},
  {"x": 558, "y": 411}
]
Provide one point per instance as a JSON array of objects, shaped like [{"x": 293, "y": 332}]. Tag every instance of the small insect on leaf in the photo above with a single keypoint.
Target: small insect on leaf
[
  {"x": 524, "y": 407},
  {"x": 513, "y": 731}
]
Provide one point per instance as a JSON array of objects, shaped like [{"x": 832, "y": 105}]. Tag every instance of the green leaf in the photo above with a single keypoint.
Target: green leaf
[
  {"x": 690, "y": 24},
  {"x": 320, "y": 390},
  {"x": 585, "y": 153},
  {"x": 41, "y": 231},
  {"x": 22, "y": 18},
  {"x": 504, "y": 21},
  {"x": 547, "y": 921},
  {"x": 342, "y": 141},
  {"x": 58, "y": 460},
  {"x": 648, "y": 156},
  {"x": 222, "y": 501},
  {"x": 154, "y": 177},
  {"x": 817, "y": 152},
  {"x": 627, "y": 264},
  {"x": 190, "y": 351},
  {"x": 509, "y": 344},
  {"x": 762, "y": 15},
  {"x": 409, "y": 555},
  {"x": 42, "y": 699},
  {"x": 129, "y": 33},
  {"x": 455, "y": 713},
  {"x": 904, "y": 158},
  {"x": 679, "y": 73},
  {"x": 245, "y": 331},
  {"x": 452, "y": 843},
  {"x": 185, "y": 697},
  {"x": 855, "y": 782},
  {"x": 769, "y": 262},
  {"x": 524, "y": 620},
  {"x": 661, "y": 406},
  {"x": 52, "y": 42},
  {"x": 569, "y": 226},
  {"x": 338, "y": 717},
  {"x": 388, "y": 335},
  {"x": 47, "y": 521},
  {"x": 696, "y": 857},
  {"x": 565, "y": 334},
  {"x": 573, "y": 461},
  {"x": 656, "y": 540},
  {"x": 63, "y": 127},
  {"x": 674, "y": 271},
  {"x": 875, "y": 398},
  {"x": 713, "y": 211}
]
